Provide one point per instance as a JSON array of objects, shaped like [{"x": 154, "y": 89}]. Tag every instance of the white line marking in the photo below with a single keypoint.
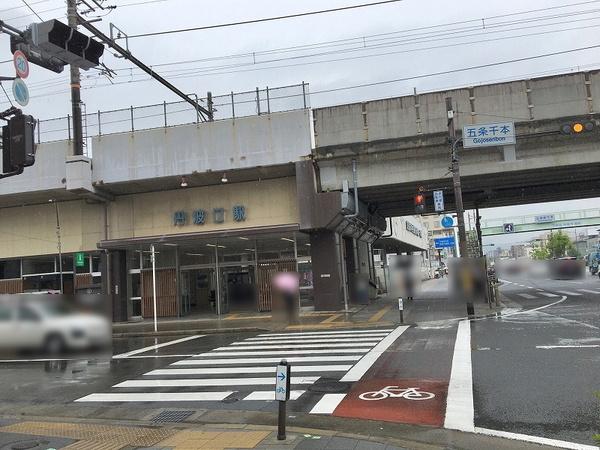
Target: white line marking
[
  {"x": 232, "y": 370},
  {"x": 327, "y": 404},
  {"x": 589, "y": 291},
  {"x": 569, "y": 293},
  {"x": 527, "y": 296},
  {"x": 534, "y": 439},
  {"x": 548, "y": 294},
  {"x": 308, "y": 333},
  {"x": 315, "y": 336},
  {"x": 459, "y": 403},
  {"x": 549, "y": 347},
  {"x": 156, "y": 397},
  {"x": 212, "y": 382},
  {"x": 297, "y": 345},
  {"x": 367, "y": 361},
  {"x": 270, "y": 395},
  {"x": 284, "y": 352},
  {"x": 300, "y": 359},
  {"x": 157, "y": 346},
  {"x": 326, "y": 341},
  {"x": 530, "y": 287}
]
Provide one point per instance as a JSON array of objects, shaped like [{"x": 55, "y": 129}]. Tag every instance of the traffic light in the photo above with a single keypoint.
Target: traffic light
[
  {"x": 35, "y": 55},
  {"x": 420, "y": 203},
  {"x": 67, "y": 44},
  {"x": 577, "y": 127},
  {"x": 18, "y": 145}
]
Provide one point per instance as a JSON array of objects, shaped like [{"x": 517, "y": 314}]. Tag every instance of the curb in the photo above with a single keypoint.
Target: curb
[{"x": 189, "y": 332}]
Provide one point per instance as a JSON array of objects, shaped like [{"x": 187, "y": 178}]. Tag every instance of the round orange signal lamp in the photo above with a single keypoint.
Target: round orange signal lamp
[{"x": 578, "y": 127}]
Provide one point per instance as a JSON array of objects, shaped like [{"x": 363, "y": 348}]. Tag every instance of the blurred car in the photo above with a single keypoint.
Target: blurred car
[
  {"x": 566, "y": 268},
  {"x": 50, "y": 326}
]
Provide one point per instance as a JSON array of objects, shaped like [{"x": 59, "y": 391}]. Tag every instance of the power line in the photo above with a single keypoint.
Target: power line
[
  {"x": 265, "y": 19},
  {"x": 32, "y": 10},
  {"x": 6, "y": 93},
  {"x": 19, "y": 7}
]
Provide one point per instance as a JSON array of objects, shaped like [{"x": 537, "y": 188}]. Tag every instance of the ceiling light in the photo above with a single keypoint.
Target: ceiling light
[
  {"x": 184, "y": 182},
  {"x": 195, "y": 254},
  {"x": 224, "y": 178},
  {"x": 287, "y": 239},
  {"x": 244, "y": 238}
]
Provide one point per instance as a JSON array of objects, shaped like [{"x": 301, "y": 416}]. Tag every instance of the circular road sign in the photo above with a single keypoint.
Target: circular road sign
[
  {"x": 20, "y": 92},
  {"x": 447, "y": 222},
  {"x": 21, "y": 64}
]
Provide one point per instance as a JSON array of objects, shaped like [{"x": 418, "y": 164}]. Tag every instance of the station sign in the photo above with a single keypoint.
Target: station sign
[
  {"x": 489, "y": 135},
  {"x": 544, "y": 218},
  {"x": 79, "y": 259},
  {"x": 445, "y": 242}
]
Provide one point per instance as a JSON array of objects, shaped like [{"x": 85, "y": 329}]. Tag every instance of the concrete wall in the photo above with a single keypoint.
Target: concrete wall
[
  {"x": 269, "y": 202},
  {"x": 47, "y": 173},
  {"x": 400, "y": 231},
  {"x": 536, "y": 99},
  {"x": 31, "y": 230},
  {"x": 214, "y": 146}
]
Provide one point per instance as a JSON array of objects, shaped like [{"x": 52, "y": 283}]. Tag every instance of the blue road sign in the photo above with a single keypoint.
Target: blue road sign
[
  {"x": 447, "y": 222},
  {"x": 508, "y": 228},
  {"x": 445, "y": 242},
  {"x": 20, "y": 92}
]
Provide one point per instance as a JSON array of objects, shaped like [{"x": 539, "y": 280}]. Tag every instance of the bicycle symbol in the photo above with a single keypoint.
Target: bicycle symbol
[{"x": 397, "y": 392}]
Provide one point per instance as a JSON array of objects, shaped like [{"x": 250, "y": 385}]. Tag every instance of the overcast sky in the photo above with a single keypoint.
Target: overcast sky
[{"x": 407, "y": 53}]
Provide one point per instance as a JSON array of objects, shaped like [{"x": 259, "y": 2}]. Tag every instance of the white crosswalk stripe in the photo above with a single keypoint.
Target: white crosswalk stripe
[
  {"x": 589, "y": 291},
  {"x": 239, "y": 370}
]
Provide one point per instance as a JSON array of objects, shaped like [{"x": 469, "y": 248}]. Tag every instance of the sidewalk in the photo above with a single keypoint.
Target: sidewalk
[{"x": 432, "y": 304}]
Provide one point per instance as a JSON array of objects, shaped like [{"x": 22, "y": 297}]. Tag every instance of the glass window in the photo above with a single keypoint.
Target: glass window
[
  {"x": 10, "y": 269},
  {"x": 136, "y": 285},
  {"x": 5, "y": 313},
  {"x": 26, "y": 313},
  {"x": 43, "y": 264}
]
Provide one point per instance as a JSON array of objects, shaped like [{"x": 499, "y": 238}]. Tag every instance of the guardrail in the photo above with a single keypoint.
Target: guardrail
[{"x": 166, "y": 114}]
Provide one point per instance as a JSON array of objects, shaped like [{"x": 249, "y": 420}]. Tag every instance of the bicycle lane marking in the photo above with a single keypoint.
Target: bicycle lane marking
[
  {"x": 414, "y": 401},
  {"x": 404, "y": 386}
]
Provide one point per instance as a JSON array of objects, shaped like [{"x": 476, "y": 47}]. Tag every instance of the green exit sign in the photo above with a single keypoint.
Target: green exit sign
[{"x": 79, "y": 259}]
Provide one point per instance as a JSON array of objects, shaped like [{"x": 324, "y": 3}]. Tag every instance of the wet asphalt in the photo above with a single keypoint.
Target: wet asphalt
[{"x": 517, "y": 386}]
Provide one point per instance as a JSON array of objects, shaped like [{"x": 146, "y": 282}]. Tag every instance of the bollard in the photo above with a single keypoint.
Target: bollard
[
  {"x": 282, "y": 394},
  {"x": 401, "y": 309}
]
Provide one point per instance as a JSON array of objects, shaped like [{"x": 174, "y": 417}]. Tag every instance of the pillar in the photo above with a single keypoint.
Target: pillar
[{"x": 326, "y": 266}]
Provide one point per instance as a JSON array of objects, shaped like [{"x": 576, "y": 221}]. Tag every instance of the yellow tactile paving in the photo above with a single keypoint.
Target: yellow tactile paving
[
  {"x": 379, "y": 314},
  {"x": 108, "y": 437}
]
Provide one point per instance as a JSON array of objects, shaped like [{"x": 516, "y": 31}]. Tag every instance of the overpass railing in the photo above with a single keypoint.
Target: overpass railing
[{"x": 167, "y": 114}]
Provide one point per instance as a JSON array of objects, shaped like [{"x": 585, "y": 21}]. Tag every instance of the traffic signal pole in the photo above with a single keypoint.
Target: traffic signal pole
[
  {"x": 455, "y": 169},
  {"x": 75, "y": 87}
]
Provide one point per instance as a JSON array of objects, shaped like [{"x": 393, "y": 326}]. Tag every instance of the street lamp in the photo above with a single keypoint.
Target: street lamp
[{"x": 60, "y": 267}]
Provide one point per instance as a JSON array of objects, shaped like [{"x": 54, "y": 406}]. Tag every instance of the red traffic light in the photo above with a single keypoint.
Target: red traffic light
[{"x": 419, "y": 199}]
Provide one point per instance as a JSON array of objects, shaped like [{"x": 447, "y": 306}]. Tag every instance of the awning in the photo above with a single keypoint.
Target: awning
[{"x": 393, "y": 245}]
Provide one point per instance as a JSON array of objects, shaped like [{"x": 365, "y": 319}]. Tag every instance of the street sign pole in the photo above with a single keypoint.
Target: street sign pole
[
  {"x": 401, "y": 309},
  {"x": 282, "y": 394}
]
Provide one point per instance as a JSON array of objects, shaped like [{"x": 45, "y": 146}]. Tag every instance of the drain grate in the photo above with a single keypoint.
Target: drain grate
[{"x": 172, "y": 416}]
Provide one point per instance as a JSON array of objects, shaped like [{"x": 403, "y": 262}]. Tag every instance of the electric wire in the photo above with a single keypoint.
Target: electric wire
[
  {"x": 262, "y": 20},
  {"x": 32, "y": 10}
]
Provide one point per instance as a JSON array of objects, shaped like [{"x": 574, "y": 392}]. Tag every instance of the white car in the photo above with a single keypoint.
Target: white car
[{"x": 50, "y": 327}]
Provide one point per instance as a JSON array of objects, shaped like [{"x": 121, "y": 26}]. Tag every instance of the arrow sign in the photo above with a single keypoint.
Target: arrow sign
[{"x": 282, "y": 382}]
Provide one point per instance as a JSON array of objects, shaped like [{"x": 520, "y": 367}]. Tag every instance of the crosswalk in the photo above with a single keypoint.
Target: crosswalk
[
  {"x": 537, "y": 293},
  {"x": 245, "y": 370}
]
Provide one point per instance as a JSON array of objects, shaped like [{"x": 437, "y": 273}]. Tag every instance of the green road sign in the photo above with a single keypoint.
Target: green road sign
[{"x": 79, "y": 259}]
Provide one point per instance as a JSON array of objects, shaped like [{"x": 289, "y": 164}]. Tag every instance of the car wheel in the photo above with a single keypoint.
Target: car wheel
[{"x": 54, "y": 345}]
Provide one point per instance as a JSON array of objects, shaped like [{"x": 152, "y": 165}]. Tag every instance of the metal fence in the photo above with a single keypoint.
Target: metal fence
[{"x": 166, "y": 114}]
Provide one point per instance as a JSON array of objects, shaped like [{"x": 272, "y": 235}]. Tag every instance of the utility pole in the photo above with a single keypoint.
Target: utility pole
[
  {"x": 454, "y": 168},
  {"x": 75, "y": 87}
]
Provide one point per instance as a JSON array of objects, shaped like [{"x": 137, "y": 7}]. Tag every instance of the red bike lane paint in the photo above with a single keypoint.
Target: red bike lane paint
[{"x": 408, "y": 400}]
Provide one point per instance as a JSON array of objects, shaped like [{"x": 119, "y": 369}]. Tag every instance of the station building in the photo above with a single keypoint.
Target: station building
[{"x": 223, "y": 205}]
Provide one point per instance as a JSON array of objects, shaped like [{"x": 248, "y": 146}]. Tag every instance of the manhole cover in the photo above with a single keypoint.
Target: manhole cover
[
  {"x": 25, "y": 445},
  {"x": 326, "y": 385},
  {"x": 172, "y": 416}
]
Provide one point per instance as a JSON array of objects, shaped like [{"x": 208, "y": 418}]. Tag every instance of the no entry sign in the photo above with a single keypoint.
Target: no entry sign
[{"x": 21, "y": 64}]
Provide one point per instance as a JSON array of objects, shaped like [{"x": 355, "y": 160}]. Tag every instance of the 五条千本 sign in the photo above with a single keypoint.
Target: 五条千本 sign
[{"x": 490, "y": 134}]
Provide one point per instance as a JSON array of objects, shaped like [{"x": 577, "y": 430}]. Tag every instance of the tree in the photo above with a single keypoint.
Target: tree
[
  {"x": 560, "y": 245},
  {"x": 540, "y": 253}
]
